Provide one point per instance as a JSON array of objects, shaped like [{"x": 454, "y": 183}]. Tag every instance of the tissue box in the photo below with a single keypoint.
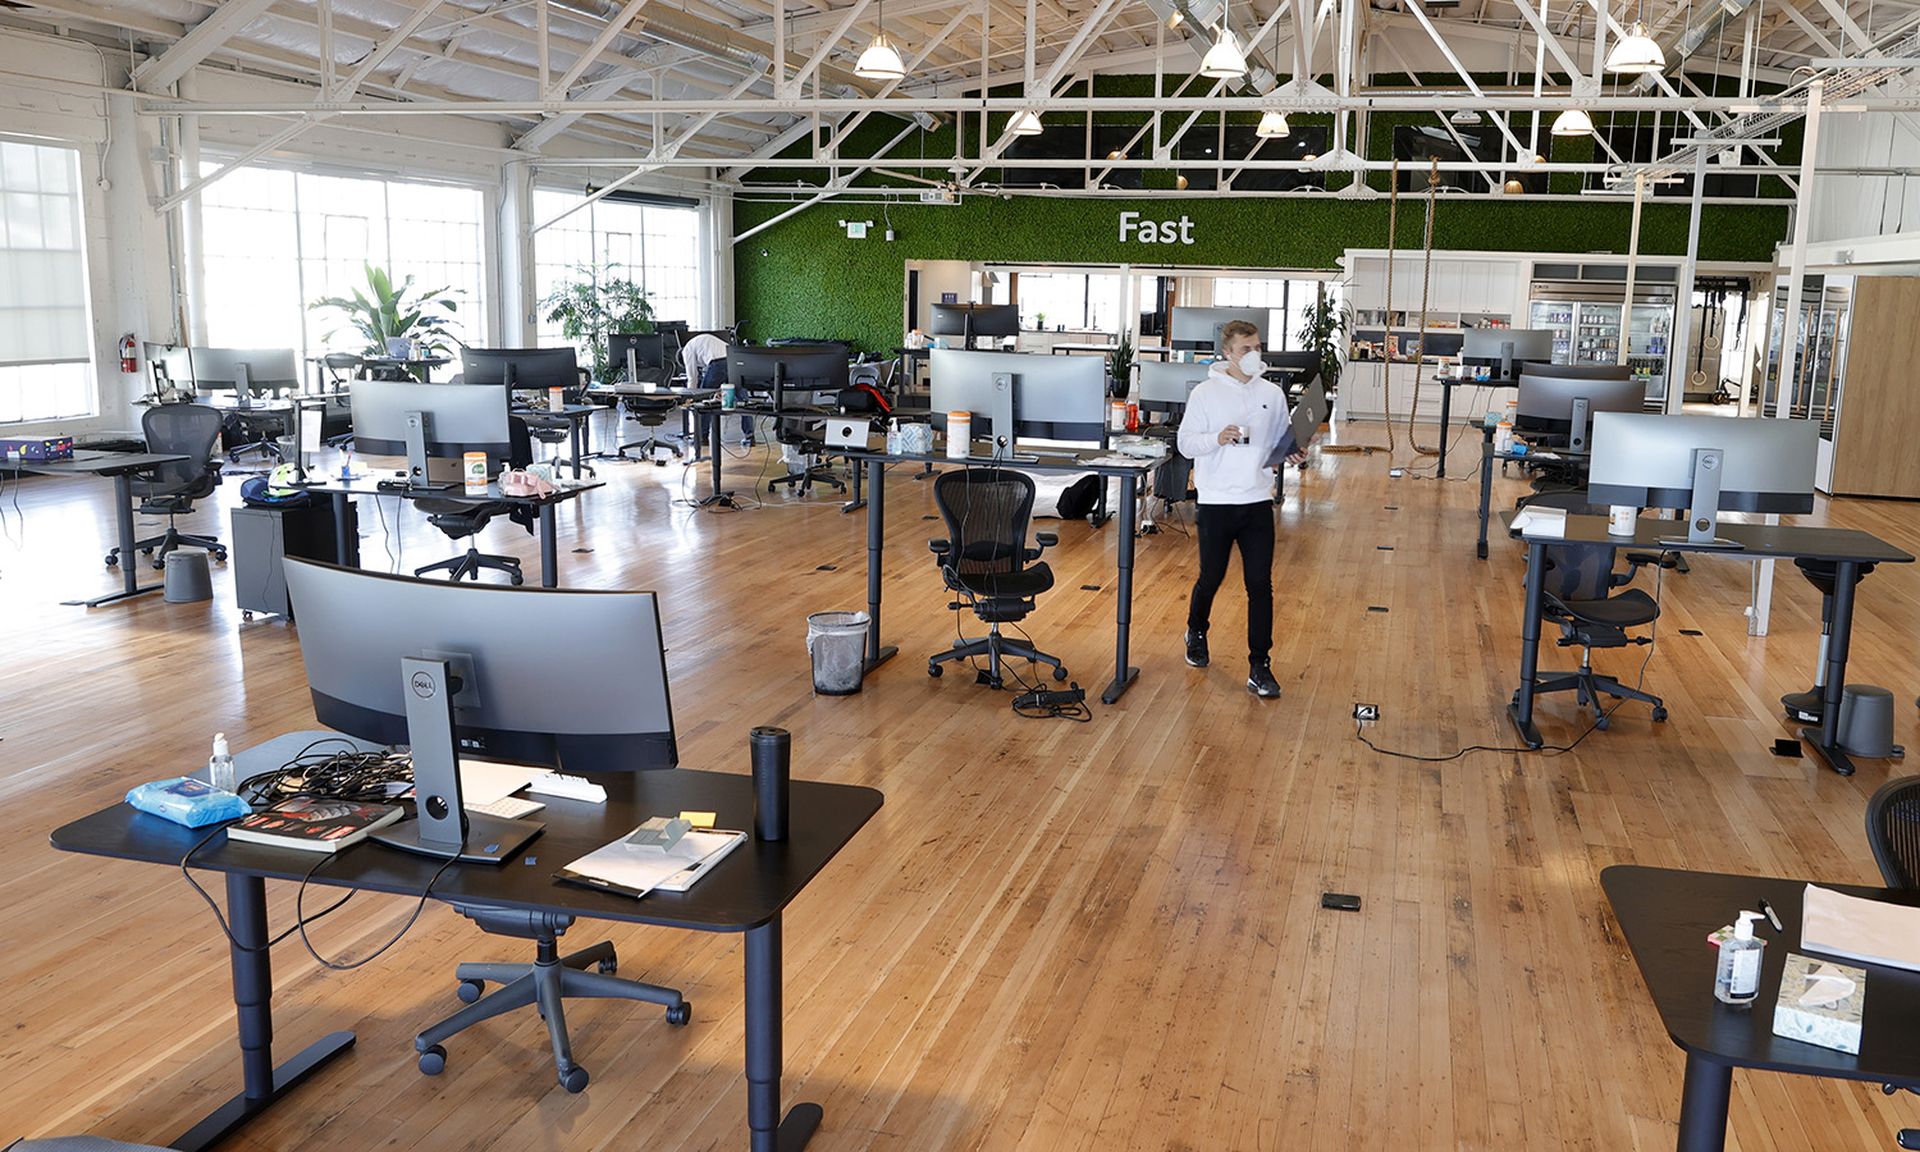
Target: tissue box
[{"x": 1821, "y": 1002}]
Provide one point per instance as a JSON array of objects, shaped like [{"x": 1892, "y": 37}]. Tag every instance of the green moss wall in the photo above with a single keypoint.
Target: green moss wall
[{"x": 804, "y": 277}]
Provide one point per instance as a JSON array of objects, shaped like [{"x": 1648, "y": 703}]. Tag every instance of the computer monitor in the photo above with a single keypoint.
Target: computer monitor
[
  {"x": 466, "y": 670},
  {"x": 1703, "y": 465},
  {"x": 980, "y": 383},
  {"x": 425, "y": 422},
  {"x": 527, "y": 369},
  {"x": 788, "y": 372},
  {"x": 1564, "y": 405},
  {"x": 1164, "y": 386},
  {"x": 1198, "y": 329},
  {"x": 1503, "y": 351},
  {"x": 1293, "y": 367},
  {"x": 970, "y": 320},
  {"x": 247, "y": 372},
  {"x": 635, "y": 352}
]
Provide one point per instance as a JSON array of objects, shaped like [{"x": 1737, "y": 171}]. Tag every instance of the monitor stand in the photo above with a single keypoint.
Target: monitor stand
[
  {"x": 437, "y": 827},
  {"x": 1704, "y": 507}
]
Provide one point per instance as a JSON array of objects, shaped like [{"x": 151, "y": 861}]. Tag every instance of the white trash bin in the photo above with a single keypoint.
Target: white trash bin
[{"x": 837, "y": 642}]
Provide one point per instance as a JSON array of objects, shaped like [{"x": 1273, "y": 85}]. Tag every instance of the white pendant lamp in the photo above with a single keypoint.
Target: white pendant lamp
[
  {"x": 1636, "y": 54},
  {"x": 881, "y": 60},
  {"x": 1223, "y": 61},
  {"x": 1025, "y": 122},
  {"x": 1572, "y": 122},
  {"x": 1273, "y": 125}
]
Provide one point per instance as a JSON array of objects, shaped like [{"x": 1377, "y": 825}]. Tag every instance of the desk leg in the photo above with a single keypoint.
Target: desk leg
[
  {"x": 130, "y": 585},
  {"x": 1446, "y": 421},
  {"x": 1521, "y": 710},
  {"x": 876, "y": 540},
  {"x": 342, "y": 508},
  {"x": 1486, "y": 490},
  {"x": 549, "y": 549},
  {"x": 858, "y": 469},
  {"x": 1123, "y": 674},
  {"x": 578, "y": 438},
  {"x": 253, "y": 1002},
  {"x": 1703, "y": 1106},
  {"x": 768, "y": 1132},
  {"x": 718, "y": 496},
  {"x": 1826, "y": 739}
]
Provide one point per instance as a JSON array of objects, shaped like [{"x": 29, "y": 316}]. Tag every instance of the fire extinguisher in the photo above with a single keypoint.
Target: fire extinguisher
[{"x": 129, "y": 354}]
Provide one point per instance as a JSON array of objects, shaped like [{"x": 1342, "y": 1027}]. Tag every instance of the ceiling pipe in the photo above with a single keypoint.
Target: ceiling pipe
[
  {"x": 1198, "y": 19},
  {"x": 716, "y": 40}
]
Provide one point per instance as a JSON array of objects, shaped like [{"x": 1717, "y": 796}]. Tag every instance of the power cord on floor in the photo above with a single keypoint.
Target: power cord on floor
[{"x": 1653, "y": 640}]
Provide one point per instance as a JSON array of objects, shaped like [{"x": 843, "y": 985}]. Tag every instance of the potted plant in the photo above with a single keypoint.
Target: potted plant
[
  {"x": 1120, "y": 366},
  {"x": 596, "y": 304},
  {"x": 1323, "y": 329},
  {"x": 392, "y": 318},
  {"x": 1040, "y": 321}
]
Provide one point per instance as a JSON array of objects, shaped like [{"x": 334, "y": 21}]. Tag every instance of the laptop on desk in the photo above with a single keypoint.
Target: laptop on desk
[{"x": 850, "y": 432}]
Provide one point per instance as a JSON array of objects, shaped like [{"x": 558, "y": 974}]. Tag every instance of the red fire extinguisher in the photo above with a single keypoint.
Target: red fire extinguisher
[{"x": 129, "y": 354}]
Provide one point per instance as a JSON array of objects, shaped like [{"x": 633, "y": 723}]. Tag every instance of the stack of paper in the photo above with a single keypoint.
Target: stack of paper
[
  {"x": 1872, "y": 931},
  {"x": 636, "y": 871},
  {"x": 1547, "y": 523}
]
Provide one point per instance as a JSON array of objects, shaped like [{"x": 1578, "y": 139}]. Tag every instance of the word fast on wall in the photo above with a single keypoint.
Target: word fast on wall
[{"x": 1155, "y": 231}]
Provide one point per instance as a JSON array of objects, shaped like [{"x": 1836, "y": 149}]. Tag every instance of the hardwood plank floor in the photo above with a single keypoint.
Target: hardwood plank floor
[{"x": 1053, "y": 936}]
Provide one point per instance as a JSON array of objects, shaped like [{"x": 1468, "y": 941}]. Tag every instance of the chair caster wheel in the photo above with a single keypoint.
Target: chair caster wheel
[
  {"x": 1059, "y": 673},
  {"x": 681, "y": 1014},
  {"x": 113, "y": 561},
  {"x": 574, "y": 1079},
  {"x": 159, "y": 565},
  {"x": 516, "y": 579},
  {"x": 146, "y": 551},
  {"x": 247, "y": 616},
  {"x": 433, "y": 1061},
  {"x": 934, "y": 670},
  {"x": 1660, "y": 715},
  {"x": 220, "y": 556},
  {"x": 469, "y": 991},
  {"x": 608, "y": 967},
  {"x": 1602, "y": 723}
]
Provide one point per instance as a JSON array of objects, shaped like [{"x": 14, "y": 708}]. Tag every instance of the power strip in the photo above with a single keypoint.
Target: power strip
[{"x": 1040, "y": 698}]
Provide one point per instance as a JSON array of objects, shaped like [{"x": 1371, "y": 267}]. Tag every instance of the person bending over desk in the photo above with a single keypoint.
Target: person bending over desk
[
  {"x": 1235, "y": 423},
  {"x": 698, "y": 356}
]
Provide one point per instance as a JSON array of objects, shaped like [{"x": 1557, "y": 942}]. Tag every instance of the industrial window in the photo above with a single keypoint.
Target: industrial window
[
  {"x": 277, "y": 240},
  {"x": 1286, "y": 302},
  {"x": 657, "y": 246},
  {"x": 1081, "y": 301},
  {"x": 46, "y": 360}
]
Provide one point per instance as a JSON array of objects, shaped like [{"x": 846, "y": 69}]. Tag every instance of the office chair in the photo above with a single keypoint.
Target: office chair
[
  {"x": 547, "y": 983},
  {"x": 651, "y": 413},
  {"x": 1893, "y": 831},
  {"x": 1578, "y": 595},
  {"x": 801, "y": 435},
  {"x": 169, "y": 490},
  {"x": 340, "y": 368},
  {"x": 558, "y": 430},
  {"x": 986, "y": 560},
  {"x": 463, "y": 520},
  {"x": 251, "y": 433}
]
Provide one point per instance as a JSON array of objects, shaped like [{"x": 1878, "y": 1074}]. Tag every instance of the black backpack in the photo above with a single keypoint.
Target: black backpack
[{"x": 1078, "y": 501}]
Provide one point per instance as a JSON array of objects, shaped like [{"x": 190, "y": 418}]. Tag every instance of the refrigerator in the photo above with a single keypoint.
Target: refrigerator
[{"x": 1586, "y": 319}]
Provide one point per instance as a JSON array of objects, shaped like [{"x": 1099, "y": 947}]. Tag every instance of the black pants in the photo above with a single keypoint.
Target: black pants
[{"x": 1221, "y": 526}]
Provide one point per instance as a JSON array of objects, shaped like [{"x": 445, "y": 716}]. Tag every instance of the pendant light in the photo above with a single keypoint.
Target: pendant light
[
  {"x": 1273, "y": 125},
  {"x": 881, "y": 60},
  {"x": 1224, "y": 60},
  {"x": 1025, "y": 122},
  {"x": 1572, "y": 122},
  {"x": 1636, "y": 54}
]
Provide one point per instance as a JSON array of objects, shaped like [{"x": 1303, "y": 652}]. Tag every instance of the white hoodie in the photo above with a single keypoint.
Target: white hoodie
[{"x": 1233, "y": 473}]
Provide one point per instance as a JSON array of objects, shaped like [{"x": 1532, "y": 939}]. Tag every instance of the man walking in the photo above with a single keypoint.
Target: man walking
[{"x": 1234, "y": 420}]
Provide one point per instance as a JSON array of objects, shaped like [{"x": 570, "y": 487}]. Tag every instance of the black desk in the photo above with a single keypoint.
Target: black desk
[
  {"x": 716, "y": 449},
  {"x": 368, "y": 485},
  {"x": 1129, "y": 475},
  {"x": 121, "y": 466},
  {"x": 612, "y": 394},
  {"x": 1488, "y": 457},
  {"x": 746, "y": 892},
  {"x": 1846, "y": 548},
  {"x": 1447, "y": 385},
  {"x": 1665, "y": 914}
]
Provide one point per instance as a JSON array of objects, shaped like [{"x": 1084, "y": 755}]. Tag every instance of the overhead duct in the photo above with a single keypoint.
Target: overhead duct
[
  {"x": 1695, "y": 35},
  {"x": 716, "y": 40},
  {"x": 1198, "y": 19}
]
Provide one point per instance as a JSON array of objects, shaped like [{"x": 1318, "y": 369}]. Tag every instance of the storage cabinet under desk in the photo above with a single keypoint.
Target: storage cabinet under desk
[{"x": 263, "y": 537}]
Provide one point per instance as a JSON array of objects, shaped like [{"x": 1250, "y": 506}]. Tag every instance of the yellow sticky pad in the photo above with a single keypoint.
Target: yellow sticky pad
[{"x": 698, "y": 819}]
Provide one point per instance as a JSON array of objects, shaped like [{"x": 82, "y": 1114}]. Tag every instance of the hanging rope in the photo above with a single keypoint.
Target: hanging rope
[
  {"x": 1426, "y": 289},
  {"x": 1386, "y": 372}
]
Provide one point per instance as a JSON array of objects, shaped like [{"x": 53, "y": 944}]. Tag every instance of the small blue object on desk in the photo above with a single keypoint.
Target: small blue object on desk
[
  {"x": 184, "y": 800},
  {"x": 1518, "y": 448}
]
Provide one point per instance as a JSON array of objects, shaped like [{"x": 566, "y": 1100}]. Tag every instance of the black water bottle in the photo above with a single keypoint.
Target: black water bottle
[{"x": 772, "y": 759}]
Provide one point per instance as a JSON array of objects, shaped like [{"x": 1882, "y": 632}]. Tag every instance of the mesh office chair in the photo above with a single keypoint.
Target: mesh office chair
[
  {"x": 169, "y": 490},
  {"x": 808, "y": 464},
  {"x": 986, "y": 560},
  {"x": 558, "y": 430},
  {"x": 651, "y": 413},
  {"x": 546, "y": 983},
  {"x": 1893, "y": 831},
  {"x": 1578, "y": 595},
  {"x": 463, "y": 520}
]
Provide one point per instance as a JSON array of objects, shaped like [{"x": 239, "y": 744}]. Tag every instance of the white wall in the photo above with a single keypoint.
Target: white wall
[{"x": 1848, "y": 206}]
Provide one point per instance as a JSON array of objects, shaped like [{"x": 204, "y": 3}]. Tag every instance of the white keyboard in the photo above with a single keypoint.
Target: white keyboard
[{"x": 507, "y": 808}]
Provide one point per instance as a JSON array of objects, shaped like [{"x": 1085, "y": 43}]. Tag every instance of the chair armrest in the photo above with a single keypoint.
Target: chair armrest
[
  {"x": 1639, "y": 560},
  {"x": 940, "y": 547}
]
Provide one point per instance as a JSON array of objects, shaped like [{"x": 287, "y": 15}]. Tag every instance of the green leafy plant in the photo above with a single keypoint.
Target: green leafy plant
[
  {"x": 1323, "y": 329},
  {"x": 595, "y": 304},
  {"x": 1120, "y": 365},
  {"x": 385, "y": 312},
  {"x": 1040, "y": 321}
]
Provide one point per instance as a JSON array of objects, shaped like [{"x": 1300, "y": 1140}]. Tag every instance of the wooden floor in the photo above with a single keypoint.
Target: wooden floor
[{"x": 1054, "y": 936}]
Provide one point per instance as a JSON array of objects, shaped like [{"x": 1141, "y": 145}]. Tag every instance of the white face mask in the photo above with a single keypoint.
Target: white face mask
[{"x": 1252, "y": 364}]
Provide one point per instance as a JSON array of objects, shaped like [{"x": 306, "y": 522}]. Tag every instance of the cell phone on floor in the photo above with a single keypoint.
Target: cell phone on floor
[{"x": 1340, "y": 902}]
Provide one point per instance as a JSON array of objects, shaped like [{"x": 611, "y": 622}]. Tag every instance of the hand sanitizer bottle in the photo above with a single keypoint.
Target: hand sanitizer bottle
[
  {"x": 220, "y": 765},
  {"x": 1737, "y": 978}
]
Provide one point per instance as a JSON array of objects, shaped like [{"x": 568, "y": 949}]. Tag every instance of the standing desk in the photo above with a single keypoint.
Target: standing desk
[
  {"x": 1666, "y": 913},
  {"x": 1488, "y": 457},
  {"x": 1447, "y": 385},
  {"x": 746, "y": 892},
  {"x": 366, "y": 485},
  {"x": 1846, "y": 548},
  {"x": 121, "y": 466},
  {"x": 1129, "y": 475}
]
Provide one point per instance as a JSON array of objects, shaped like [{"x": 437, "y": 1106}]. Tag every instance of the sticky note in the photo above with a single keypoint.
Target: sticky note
[{"x": 698, "y": 819}]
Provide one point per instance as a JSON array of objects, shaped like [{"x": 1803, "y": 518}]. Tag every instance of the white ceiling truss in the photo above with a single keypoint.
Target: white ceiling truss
[{"x": 720, "y": 89}]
